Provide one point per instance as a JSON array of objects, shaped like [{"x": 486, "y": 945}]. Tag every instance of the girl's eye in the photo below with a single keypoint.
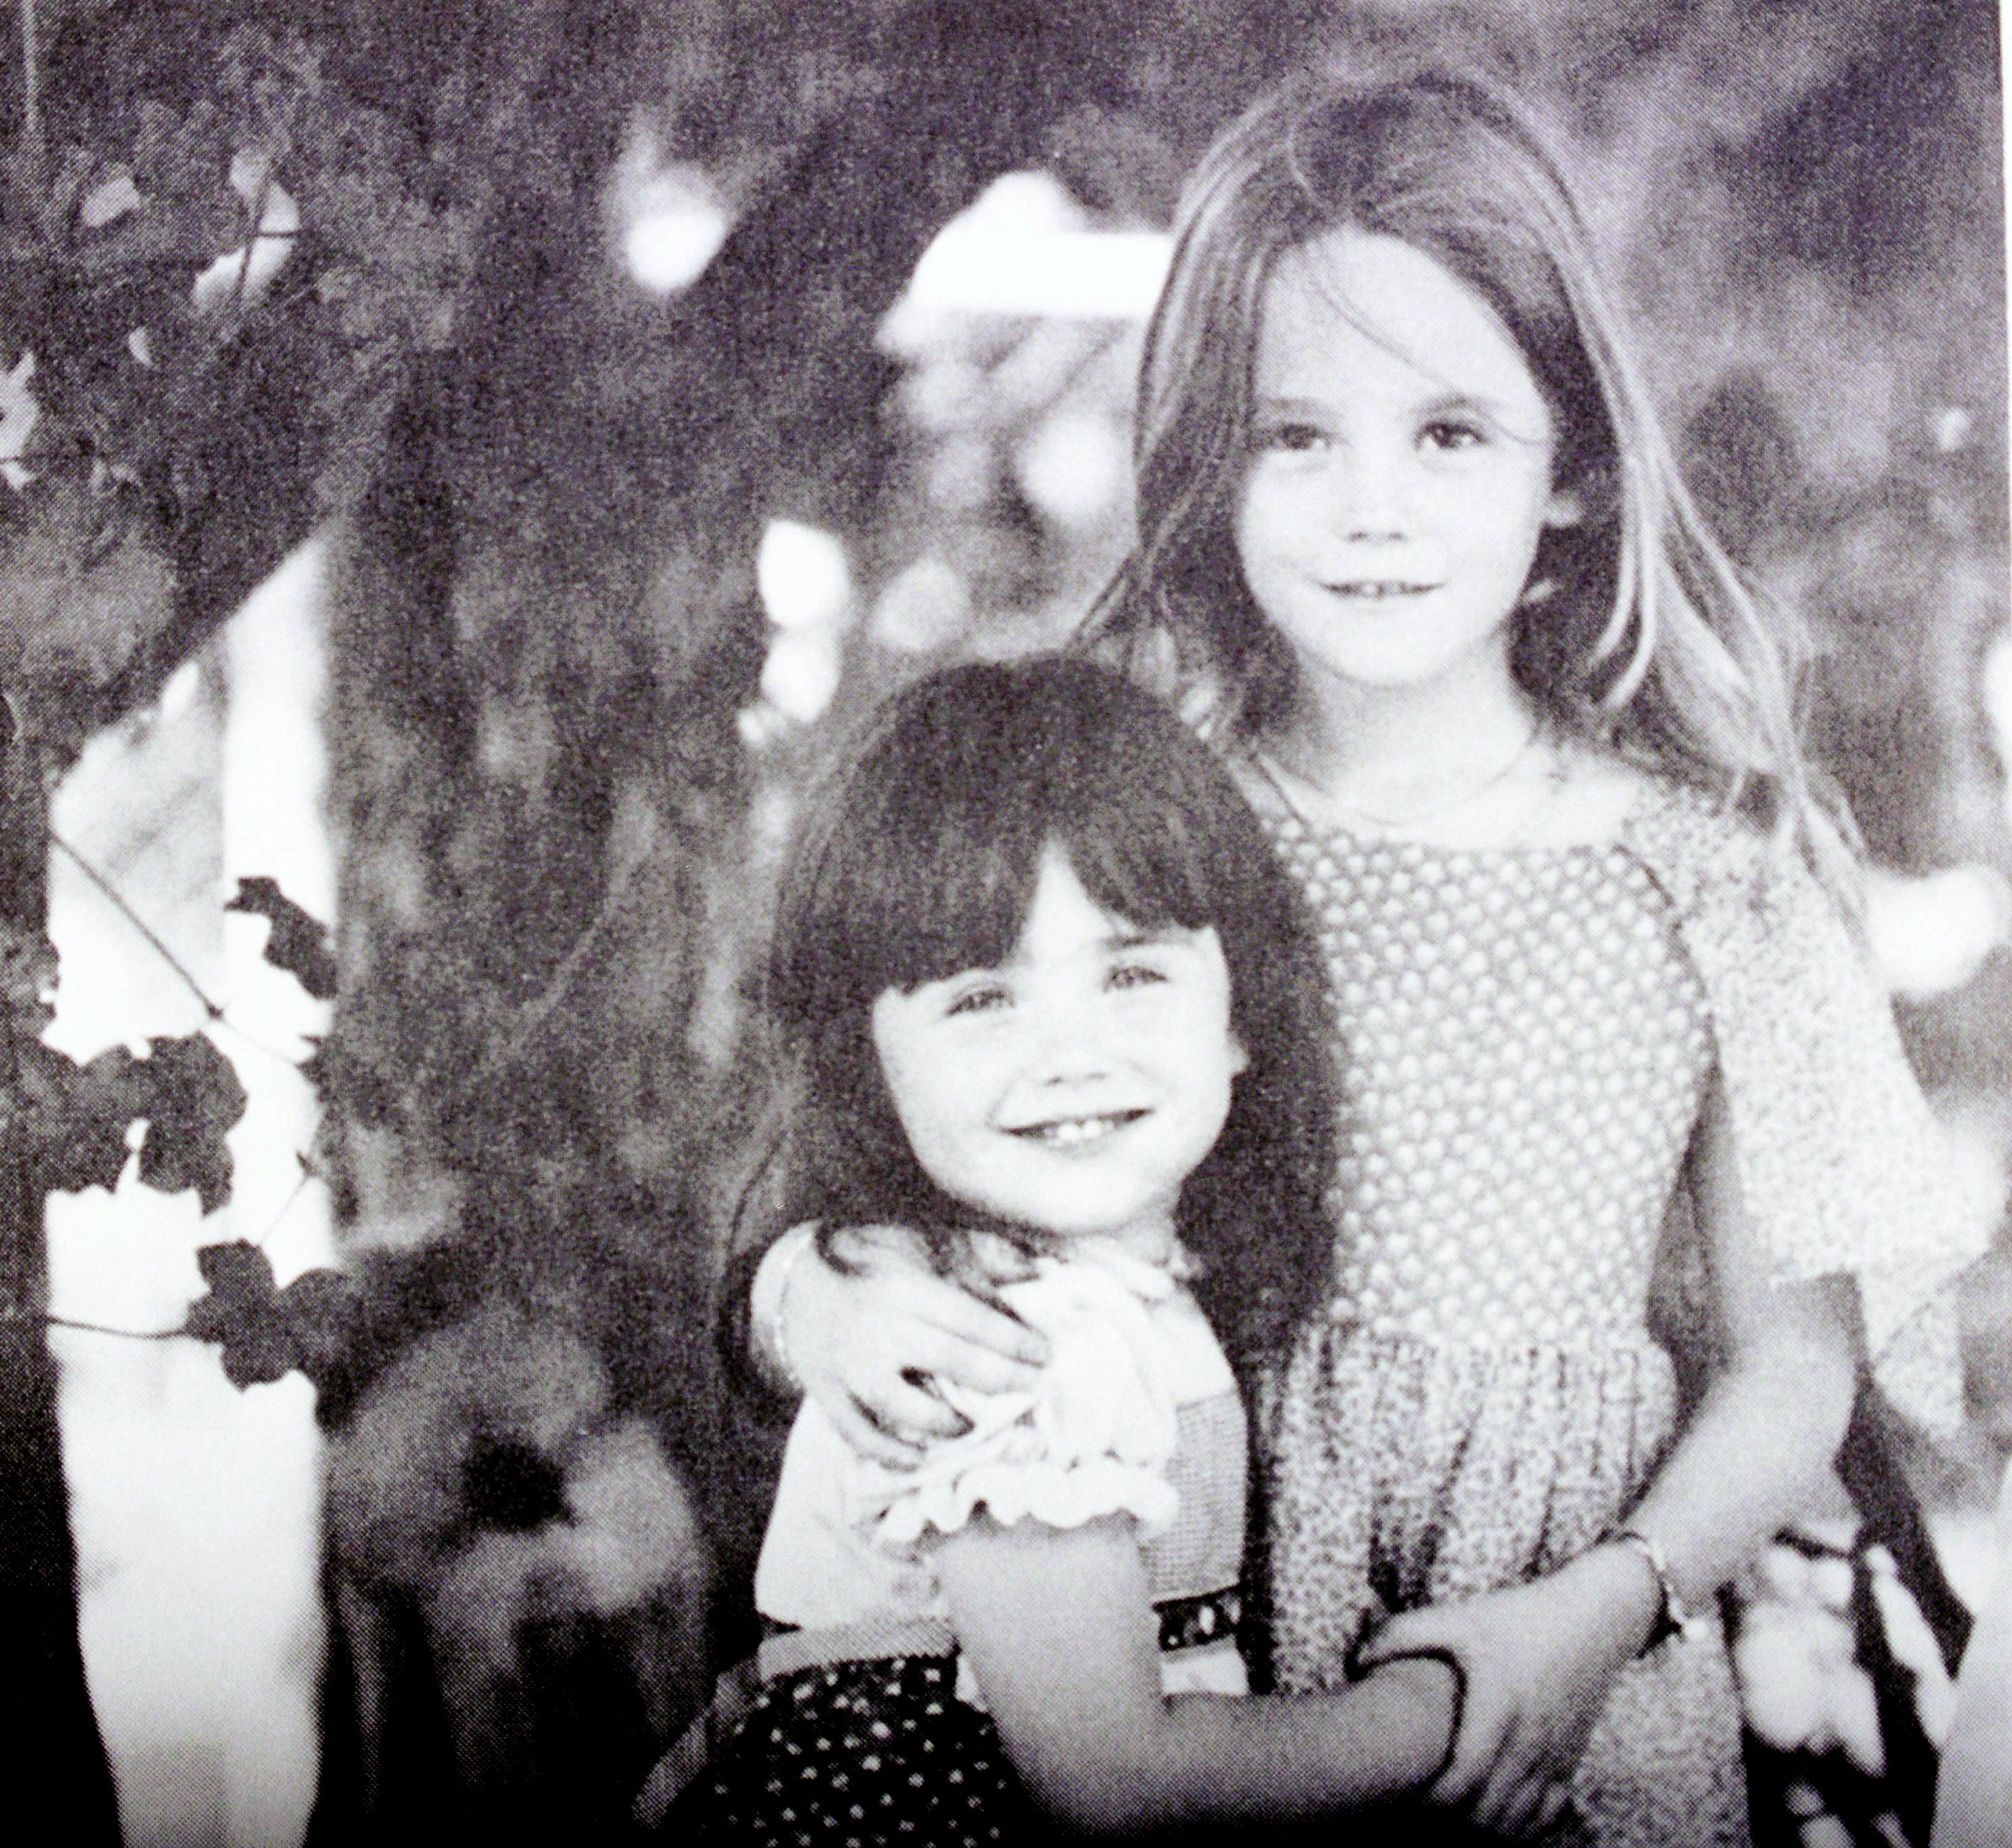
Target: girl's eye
[
  {"x": 1294, "y": 438},
  {"x": 1449, "y": 435},
  {"x": 984, "y": 999},
  {"x": 1135, "y": 974}
]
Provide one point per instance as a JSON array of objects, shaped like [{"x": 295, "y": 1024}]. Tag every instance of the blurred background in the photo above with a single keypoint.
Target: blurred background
[{"x": 469, "y": 467}]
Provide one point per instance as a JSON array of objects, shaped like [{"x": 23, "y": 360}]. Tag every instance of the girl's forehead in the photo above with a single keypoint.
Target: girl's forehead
[
  {"x": 1064, "y": 919},
  {"x": 1362, "y": 307}
]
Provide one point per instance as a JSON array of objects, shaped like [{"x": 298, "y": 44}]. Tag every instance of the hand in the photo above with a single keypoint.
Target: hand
[
  {"x": 1539, "y": 1659},
  {"x": 866, "y": 1346},
  {"x": 1430, "y": 1686}
]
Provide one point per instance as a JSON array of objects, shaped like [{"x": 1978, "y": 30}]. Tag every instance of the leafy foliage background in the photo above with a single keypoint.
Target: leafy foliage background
[{"x": 558, "y": 778}]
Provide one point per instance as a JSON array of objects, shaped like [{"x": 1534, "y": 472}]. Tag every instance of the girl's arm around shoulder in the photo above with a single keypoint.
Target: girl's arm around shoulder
[
  {"x": 861, "y": 1340},
  {"x": 1058, "y": 1628}
]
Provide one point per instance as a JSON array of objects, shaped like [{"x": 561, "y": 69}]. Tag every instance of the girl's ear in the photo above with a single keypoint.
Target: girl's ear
[
  {"x": 1239, "y": 1058},
  {"x": 1565, "y": 508}
]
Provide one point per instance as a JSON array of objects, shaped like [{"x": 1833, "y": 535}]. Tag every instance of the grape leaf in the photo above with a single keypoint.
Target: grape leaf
[
  {"x": 27, "y": 977},
  {"x": 297, "y": 942},
  {"x": 76, "y": 1117},
  {"x": 321, "y": 1307},
  {"x": 242, "y": 1313},
  {"x": 265, "y": 1333},
  {"x": 359, "y": 1089},
  {"x": 195, "y": 1097}
]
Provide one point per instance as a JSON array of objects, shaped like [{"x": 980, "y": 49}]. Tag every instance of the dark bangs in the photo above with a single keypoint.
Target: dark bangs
[{"x": 921, "y": 859}]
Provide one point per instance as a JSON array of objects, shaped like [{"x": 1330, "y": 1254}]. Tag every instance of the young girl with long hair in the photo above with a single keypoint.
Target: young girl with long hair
[
  {"x": 1413, "y": 553},
  {"x": 1040, "y": 989}
]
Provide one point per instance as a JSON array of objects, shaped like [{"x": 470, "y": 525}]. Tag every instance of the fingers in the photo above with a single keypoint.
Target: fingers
[
  {"x": 897, "y": 1403},
  {"x": 1529, "y": 1811},
  {"x": 1557, "y": 1799},
  {"x": 869, "y": 1337},
  {"x": 868, "y": 1247},
  {"x": 991, "y": 1350},
  {"x": 1512, "y": 1805},
  {"x": 896, "y": 1423},
  {"x": 1527, "y": 1788},
  {"x": 896, "y": 1260},
  {"x": 934, "y": 1331},
  {"x": 866, "y": 1435},
  {"x": 1484, "y": 1737}
]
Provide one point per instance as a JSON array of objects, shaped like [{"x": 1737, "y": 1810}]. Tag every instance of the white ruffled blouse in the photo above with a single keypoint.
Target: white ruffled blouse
[{"x": 1136, "y": 1412}]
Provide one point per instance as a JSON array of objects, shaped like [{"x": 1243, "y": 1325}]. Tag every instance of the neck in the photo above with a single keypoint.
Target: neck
[
  {"x": 1397, "y": 748},
  {"x": 1150, "y": 1238}
]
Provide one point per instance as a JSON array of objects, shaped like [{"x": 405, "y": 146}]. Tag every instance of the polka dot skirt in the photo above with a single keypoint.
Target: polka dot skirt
[{"x": 876, "y": 1754}]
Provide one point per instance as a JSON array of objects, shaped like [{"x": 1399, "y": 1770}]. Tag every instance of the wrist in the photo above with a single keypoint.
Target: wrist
[{"x": 1667, "y": 1614}]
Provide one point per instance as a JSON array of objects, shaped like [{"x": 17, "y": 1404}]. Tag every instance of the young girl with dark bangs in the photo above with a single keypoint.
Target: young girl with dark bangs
[
  {"x": 1413, "y": 552},
  {"x": 1040, "y": 989}
]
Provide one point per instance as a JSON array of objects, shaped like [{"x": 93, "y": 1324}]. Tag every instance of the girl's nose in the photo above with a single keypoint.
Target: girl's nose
[
  {"x": 1070, "y": 1061},
  {"x": 1069, "y": 1050},
  {"x": 1372, "y": 495}
]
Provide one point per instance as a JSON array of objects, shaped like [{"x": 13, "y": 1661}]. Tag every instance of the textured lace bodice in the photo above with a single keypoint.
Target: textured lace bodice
[{"x": 1524, "y": 1048}]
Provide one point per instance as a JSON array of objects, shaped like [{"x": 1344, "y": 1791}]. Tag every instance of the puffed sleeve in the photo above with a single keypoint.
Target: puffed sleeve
[
  {"x": 1094, "y": 1437},
  {"x": 1841, "y": 1162}
]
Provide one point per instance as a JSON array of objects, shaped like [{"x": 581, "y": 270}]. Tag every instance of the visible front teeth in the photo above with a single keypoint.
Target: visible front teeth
[
  {"x": 1377, "y": 590},
  {"x": 1075, "y": 1131}
]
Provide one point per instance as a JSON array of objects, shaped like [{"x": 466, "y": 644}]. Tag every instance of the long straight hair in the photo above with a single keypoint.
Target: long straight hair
[
  {"x": 1646, "y": 641},
  {"x": 920, "y": 858}
]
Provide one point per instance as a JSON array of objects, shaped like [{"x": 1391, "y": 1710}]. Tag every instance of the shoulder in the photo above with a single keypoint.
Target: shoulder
[
  {"x": 1718, "y": 865},
  {"x": 1591, "y": 795},
  {"x": 1118, "y": 1328},
  {"x": 1097, "y": 1434}
]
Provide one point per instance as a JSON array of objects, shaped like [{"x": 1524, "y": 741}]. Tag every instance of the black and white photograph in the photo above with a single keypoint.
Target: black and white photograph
[{"x": 933, "y": 923}]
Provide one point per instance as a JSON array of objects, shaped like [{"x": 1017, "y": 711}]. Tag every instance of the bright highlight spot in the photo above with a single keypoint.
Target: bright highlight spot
[
  {"x": 19, "y": 415},
  {"x": 1024, "y": 248},
  {"x": 928, "y": 606},
  {"x": 1074, "y": 468},
  {"x": 108, "y": 200},
  {"x": 802, "y": 576},
  {"x": 233, "y": 277},
  {"x": 1931, "y": 935},
  {"x": 668, "y": 251},
  {"x": 677, "y": 232},
  {"x": 178, "y": 692},
  {"x": 801, "y": 673},
  {"x": 1082, "y": 275}
]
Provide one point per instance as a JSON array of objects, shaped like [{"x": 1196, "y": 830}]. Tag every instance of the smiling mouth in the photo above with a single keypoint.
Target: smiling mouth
[
  {"x": 1076, "y": 1132},
  {"x": 1375, "y": 590}
]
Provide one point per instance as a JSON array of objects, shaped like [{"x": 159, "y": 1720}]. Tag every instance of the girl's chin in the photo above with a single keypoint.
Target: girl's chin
[
  {"x": 1150, "y": 1238},
  {"x": 1150, "y": 1233}
]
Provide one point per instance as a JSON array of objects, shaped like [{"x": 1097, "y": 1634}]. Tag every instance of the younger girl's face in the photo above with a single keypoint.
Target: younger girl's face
[
  {"x": 1073, "y": 1088},
  {"x": 1400, "y": 470}
]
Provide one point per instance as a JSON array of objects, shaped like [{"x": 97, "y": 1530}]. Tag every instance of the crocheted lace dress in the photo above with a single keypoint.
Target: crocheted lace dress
[{"x": 1526, "y": 1048}]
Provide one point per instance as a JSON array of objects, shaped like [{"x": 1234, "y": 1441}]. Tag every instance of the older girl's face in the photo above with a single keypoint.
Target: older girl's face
[
  {"x": 1400, "y": 471},
  {"x": 1073, "y": 1088}
]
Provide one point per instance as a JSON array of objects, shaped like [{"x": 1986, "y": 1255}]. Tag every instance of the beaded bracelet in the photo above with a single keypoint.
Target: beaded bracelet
[
  {"x": 768, "y": 1293},
  {"x": 1673, "y": 1617}
]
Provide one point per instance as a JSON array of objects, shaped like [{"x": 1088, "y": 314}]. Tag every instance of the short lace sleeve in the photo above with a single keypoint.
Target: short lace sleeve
[
  {"x": 1094, "y": 1438},
  {"x": 1841, "y": 1161}
]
